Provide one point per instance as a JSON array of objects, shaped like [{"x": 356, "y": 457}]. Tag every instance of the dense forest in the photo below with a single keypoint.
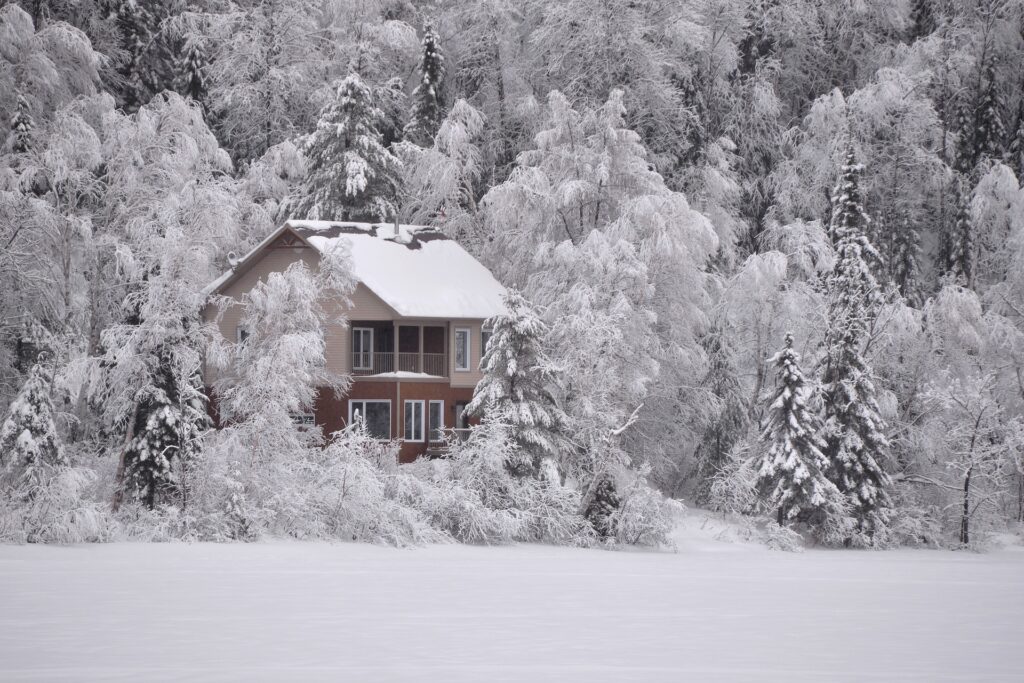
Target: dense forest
[{"x": 764, "y": 256}]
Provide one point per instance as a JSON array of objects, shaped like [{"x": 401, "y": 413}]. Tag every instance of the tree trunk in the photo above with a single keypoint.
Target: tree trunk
[
  {"x": 965, "y": 519},
  {"x": 119, "y": 476}
]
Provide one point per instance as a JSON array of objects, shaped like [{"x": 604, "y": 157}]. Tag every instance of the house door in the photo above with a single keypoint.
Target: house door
[{"x": 435, "y": 421}]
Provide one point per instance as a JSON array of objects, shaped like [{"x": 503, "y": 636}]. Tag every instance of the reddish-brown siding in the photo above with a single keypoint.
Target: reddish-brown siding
[{"x": 332, "y": 411}]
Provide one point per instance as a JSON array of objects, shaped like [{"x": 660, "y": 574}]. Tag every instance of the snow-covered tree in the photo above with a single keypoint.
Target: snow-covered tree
[
  {"x": 922, "y": 18},
  {"x": 21, "y": 127},
  {"x": 191, "y": 66},
  {"x": 979, "y": 439},
  {"x": 517, "y": 386},
  {"x": 962, "y": 253},
  {"x": 441, "y": 182},
  {"x": 29, "y": 443},
  {"x": 905, "y": 263},
  {"x": 988, "y": 134},
  {"x": 279, "y": 369},
  {"x": 854, "y": 428},
  {"x": 729, "y": 418},
  {"x": 51, "y": 63},
  {"x": 351, "y": 175},
  {"x": 791, "y": 479},
  {"x": 428, "y": 108}
]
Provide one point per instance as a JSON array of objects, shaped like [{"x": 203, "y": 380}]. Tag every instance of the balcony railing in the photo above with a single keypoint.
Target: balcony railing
[{"x": 365, "y": 364}]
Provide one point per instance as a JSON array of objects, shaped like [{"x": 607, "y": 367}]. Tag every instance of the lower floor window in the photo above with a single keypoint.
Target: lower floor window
[
  {"x": 414, "y": 420},
  {"x": 375, "y": 414}
]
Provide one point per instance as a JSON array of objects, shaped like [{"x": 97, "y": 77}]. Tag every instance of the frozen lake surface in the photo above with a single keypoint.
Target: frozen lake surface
[{"x": 344, "y": 612}]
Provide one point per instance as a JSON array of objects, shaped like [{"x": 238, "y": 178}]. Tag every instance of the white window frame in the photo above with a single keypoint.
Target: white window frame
[
  {"x": 423, "y": 420},
  {"x": 431, "y": 427},
  {"x": 469, "y": 348},
  {"x": 364, "y": 401},
  {"x": 362, "y": 353}
]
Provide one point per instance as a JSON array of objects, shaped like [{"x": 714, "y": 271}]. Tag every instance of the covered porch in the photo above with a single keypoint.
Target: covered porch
[{"x": 387, "y": 347}]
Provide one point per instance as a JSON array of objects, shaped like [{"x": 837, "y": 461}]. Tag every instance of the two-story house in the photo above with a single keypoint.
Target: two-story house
[{"x": 415, "y": 325}]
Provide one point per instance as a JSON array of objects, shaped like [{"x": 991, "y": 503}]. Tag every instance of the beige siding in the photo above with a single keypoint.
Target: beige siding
[
  {"x": 461, "y": 378},
  {"x": 365, "y": 304},
  {"x": 368, "y": 306}
]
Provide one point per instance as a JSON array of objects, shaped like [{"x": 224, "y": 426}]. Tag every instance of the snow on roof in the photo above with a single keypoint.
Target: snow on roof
[{"x": 419, "y": 272}]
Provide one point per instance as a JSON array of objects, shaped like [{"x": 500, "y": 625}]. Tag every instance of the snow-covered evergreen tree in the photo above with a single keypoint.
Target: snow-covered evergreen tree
[
  {"x": 29, "y": 443},
  {"x": 729, "y": 419},
  {"x": 21, "y": 127},
  {"x": 351, "y": 174},
  {"x": 791, "y": 479},
  {"x": 962, "y": 239},
  {"x": 854, "y": 428},
  {"x": 516, "y": 386},
  {"x": 168, "y": 423},
  {"x": 906, "y": 262},
  {"x": 191, "y": 66},
  {"x": 922, "y": 18},
  {"x": 989, "y": 134},
  {"x": 428, "y": 97}
]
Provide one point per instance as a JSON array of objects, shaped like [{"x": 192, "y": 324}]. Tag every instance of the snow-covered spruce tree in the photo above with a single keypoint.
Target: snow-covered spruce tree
[
  {"x": 962, "y": 238},
  {"x": 989, "y": 133},
  {"x": 145, "y": 65},
  {"x": 791, "y": 479},
  {"x": 21, "y": 127},
  {"x": 854, "y": 429},
  {"x": 427, "y": 98},
  {"x": 516, "y": 386},
  {"x": 729, "y": 418},
  {"x": 190, "y": 67},
  {"x": 906, "y": 262},
  {"x": 351, "y": 175},
  {"x": 29, "y": 443},
  {"x": 922, "y": 19}
]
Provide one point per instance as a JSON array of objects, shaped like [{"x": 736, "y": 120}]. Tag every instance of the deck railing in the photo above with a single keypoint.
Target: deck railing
[{"x": 365, "y": 364}]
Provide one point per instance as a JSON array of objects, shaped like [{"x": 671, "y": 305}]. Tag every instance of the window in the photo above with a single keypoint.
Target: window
[
  {"x": 241, "y": 334},
  {"x": 362, "y": 348},
  {"x": 435, "y": 419},
  {"x": 376, "y": 414},
  {"x": 462, "y": 348},
  {"x": 414, "y": 420}
]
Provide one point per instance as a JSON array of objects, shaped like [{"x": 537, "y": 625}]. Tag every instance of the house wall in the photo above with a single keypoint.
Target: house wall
[{"x": 332, "y": 411}]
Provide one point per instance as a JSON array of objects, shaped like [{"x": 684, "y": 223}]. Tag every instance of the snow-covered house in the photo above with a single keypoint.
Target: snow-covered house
[{"x": 415, "y": 324}]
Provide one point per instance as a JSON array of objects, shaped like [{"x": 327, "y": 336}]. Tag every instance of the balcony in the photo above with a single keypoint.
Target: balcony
[{"x": 377, "y": 363}]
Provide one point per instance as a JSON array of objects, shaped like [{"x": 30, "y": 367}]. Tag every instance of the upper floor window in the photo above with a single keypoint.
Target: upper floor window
[
  {"x": 462, "y": 348},
  {"x": 362, "y": 348}
]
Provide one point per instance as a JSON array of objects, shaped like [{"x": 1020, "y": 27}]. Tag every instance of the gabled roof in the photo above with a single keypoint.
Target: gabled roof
[{"x": 418, "y": 271}]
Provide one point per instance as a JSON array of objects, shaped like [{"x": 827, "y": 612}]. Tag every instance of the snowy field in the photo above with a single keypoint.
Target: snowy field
[{"x": 714, "y": 611}]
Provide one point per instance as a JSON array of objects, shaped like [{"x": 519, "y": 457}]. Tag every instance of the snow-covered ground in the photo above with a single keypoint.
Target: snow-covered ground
[{"x": 714, "y": 611}]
